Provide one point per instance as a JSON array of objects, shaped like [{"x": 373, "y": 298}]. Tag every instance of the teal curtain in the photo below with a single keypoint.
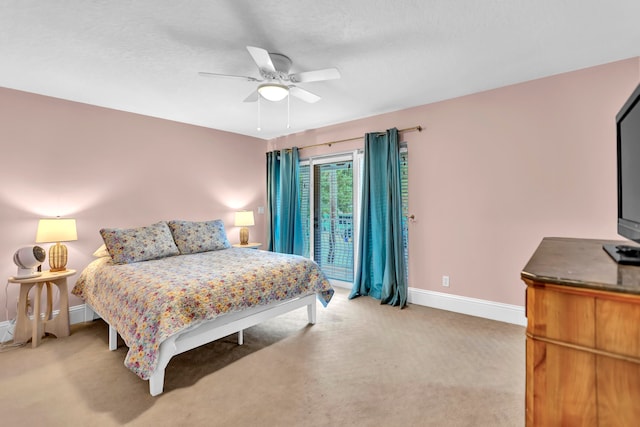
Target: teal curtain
[
  {"x": 381, "y": 264},
  {"x": 284, "y": 221}
]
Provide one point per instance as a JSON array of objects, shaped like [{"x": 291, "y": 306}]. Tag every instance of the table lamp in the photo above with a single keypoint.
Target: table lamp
[
  {"x": 57, "y": 230},
  {"x": 244, "y": 219}
]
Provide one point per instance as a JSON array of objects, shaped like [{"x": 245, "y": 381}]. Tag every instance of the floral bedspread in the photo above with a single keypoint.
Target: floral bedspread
[{"x": 149, "y": 301}]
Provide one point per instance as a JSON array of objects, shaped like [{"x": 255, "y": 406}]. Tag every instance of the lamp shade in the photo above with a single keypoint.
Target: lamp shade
[
  {"x": 56, "y": 230},
  {"x": 244, "y": 219},
  {"x": 273, "y": 91}
]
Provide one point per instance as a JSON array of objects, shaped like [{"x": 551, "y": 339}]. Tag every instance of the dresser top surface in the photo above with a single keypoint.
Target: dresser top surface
[{"x": 581, "y": 263}]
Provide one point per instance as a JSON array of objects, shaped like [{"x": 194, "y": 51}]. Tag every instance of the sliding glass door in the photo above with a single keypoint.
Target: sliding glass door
[
  {"x": 333, "y": 219},
  {"x": 328, "y": 200},
  {"x": 329, "y": 195}
]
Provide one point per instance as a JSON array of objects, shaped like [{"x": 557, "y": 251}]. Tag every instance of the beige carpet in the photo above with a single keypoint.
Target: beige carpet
[{"x": 362, "y": 364}]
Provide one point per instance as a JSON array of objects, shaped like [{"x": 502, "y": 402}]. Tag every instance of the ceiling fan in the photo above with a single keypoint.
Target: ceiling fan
[{"x": 276, "y": 82}]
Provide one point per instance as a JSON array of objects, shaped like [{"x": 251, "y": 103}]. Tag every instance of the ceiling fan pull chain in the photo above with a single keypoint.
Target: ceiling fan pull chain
[
  {"x": 259, "y": 116},
  {"x": 288, "y": 112}
]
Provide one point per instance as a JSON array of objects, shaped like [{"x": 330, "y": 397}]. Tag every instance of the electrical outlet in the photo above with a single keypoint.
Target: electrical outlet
[{"x": 445, "y": 281}]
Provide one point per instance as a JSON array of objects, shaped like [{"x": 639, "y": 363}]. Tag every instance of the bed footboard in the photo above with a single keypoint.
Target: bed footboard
[{"x": 221, "y": 327}]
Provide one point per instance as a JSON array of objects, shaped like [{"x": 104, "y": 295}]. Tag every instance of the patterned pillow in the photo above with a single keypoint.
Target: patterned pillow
[
  {"x": 127, "y": 245},
  {"x": 192, "y": 237}
]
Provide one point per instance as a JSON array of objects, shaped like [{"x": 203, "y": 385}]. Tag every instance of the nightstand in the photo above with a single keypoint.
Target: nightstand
[
  {"x": 38, "y": 326},
  {"x": 250, "y": 245}
]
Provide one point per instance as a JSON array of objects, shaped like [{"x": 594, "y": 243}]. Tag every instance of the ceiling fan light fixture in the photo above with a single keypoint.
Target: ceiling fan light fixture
[{"x": 273, "y": 91}]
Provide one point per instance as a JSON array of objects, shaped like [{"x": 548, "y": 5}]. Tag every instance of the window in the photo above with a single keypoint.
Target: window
[
  {"x": 327, "y": 208},
  {"x": 329, "y": 202},
  {"x": 305, "y": 194},
  {"x": 333, "y": 219},
  {"x": 404, "y": 188}
]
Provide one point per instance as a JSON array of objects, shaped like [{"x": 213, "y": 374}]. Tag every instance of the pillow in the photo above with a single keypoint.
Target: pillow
[
  {"x": 101, "y": 251},
  {"x": 127, "y": 245},
  {"x": 193, "y": 237}
]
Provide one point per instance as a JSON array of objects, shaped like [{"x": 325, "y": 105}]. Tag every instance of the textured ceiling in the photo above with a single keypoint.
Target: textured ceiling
[{"x": 144, "y": 56}]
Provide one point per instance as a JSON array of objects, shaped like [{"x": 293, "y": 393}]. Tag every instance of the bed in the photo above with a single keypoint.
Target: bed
[{"x": 164, "y": 305}]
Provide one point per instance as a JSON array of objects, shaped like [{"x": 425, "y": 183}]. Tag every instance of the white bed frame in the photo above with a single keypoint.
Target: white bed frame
[{"x": 212, "y": 330}]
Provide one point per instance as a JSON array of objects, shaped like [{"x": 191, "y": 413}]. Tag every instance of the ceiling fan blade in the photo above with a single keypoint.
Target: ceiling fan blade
[
  {"x": 229, "y": 76},
  {"x": 261, "y": 58},
  {"x": 253, "y": 97},
  {"x": 314, "y": 76},
  {"x": 303, "y": 94}
]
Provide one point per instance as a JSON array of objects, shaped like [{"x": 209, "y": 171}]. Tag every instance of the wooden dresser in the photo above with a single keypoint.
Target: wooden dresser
[{"x": 583, "y": 336}]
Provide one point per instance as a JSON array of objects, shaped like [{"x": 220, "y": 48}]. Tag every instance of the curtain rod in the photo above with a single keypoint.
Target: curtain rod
[{"x": 418, "y": 128}]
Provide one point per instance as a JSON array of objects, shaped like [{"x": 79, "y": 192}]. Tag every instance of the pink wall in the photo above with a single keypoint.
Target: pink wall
[
  {"x": 109, "y": 168},
  {"x": 493, "y": 173}
]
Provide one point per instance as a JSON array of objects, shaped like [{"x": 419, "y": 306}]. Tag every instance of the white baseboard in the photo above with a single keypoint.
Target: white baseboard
[
  {"x": 76, "y": 315},
  {"x": 474, "y": 307},
  {"x": 464, "y": 305}
]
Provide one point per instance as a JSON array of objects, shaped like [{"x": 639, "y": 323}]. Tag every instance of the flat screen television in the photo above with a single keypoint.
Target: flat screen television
[{"x": 628, "y": 156}]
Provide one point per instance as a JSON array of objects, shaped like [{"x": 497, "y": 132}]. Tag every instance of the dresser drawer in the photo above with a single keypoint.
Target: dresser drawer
[
  {"x": 561, "y": 316},
  {"x": 617, "y": 328}
]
